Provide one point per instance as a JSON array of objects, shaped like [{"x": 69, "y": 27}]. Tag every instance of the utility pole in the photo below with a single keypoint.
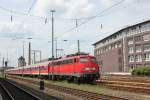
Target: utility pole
[
  {"x": 52, "y": 11},
  {"x": 34, "y": 57},
  {"x": 76, "y": 22},
  {"x": 78, "y": 46},
  {"x": 3, "y": 62},
  {"x": 29, "y": 59},
  {"x": 3, "y": 67},
  {"x": 77, "y": 32},
  {"x": 7, "y": 59},
  {"x": 23, "y": 49},
  {"x": 40, "y": 56}
]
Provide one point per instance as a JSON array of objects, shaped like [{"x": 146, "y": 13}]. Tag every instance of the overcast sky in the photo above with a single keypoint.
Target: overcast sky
[{"x": 28, "y": 21}]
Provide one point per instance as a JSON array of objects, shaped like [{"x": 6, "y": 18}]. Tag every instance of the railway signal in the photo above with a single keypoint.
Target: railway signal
[{"x": 42, "y": 85}]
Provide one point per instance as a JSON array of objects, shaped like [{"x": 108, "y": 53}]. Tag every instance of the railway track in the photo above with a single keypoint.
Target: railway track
[
  {"x": 127, "y": 83},
  {"x": 84, "y": 94},
  {"x": 127, "y": 79},
  {"x": 13, "y": 92},
  {"x": 79, "y": 93},
  {"x": 5, "y": 94}
]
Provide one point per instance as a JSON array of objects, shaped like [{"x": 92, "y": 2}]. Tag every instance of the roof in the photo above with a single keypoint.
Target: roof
[{"x": 121, "y": 30}]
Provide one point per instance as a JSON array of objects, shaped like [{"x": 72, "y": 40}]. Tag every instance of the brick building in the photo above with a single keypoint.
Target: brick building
[{"x": 125, "y": 49}]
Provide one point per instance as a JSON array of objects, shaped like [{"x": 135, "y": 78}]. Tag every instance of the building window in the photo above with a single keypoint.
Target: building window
[
  {"x": 130, "y": 41},
  {"x": 138, "y": 58},
  {"x": 131, "y": 58},
  {"x": 106, "y": 48},
  {"x": 116, "y": 46},
  {"x": 100, "y": 51},
  {"x": 143, "y": 28},
  {"x": 119, "y": 51},
  {"x": 147, "y": 47},
  {"x": 109, "y": 47},
  {"x": 138, "y": 39},
  {"x": 130, "y": 50},
  {"x": 146, "y": 37},
  {"x": 119, "y": 44},
  {"x": 147, "y": 57},
  {"x": 132, "y": 30},
  {"x": 112, "y": 46},
  {"x": 114, "y": 37},
  {"x": 138, "y": 49}
]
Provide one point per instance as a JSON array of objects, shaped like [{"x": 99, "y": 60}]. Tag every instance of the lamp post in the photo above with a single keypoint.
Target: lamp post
[
  {"x": 78, "y": 45},
  {"x": 29, "y": 55},
  {"x": 23, "y": 48},
  {"x": 56, "y": 46},
  {"x": 52, "y": 11}
]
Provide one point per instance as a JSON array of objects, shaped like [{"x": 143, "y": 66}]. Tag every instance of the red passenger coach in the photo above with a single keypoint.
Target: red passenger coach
[{"x": 77, "y": 67}]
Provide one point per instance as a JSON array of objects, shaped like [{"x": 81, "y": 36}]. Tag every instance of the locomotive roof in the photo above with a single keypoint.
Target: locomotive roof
[{"x": 72, "y": 57}]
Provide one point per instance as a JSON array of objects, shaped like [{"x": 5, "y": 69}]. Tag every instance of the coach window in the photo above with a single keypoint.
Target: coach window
[
  {"x": 59, "y": 62},
  {"x": 83, "y": 60},
  {"x": 71, "y": 61},
  {"x": 64, "y": 61},
  {"x": 67, "y": 62}
]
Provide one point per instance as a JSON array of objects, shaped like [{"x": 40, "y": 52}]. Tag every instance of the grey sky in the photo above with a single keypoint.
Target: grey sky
[{"x": 23, "y": 26}]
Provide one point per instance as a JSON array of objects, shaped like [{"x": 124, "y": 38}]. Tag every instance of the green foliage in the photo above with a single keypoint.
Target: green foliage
[{"x": 141, "y": 71}]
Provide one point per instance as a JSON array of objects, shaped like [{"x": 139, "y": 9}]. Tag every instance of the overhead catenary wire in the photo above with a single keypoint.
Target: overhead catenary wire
[
  {"x": 92, "y": 17},
  {"x": 22, "y": 13},
  {"x": 43, "y": 17},
  {"x": 77, "y": 20},
  {"x": 87, "y": 19},
  {"x": 30, "y": 8}
]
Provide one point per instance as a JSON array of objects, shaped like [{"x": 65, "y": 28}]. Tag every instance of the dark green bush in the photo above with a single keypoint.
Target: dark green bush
[{"x": 141, "y": 71}]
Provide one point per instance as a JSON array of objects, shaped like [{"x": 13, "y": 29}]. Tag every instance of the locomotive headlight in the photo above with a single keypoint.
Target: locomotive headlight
[
  {"x": 87, "y": 68},
  {"x": 93, "y": 68}
]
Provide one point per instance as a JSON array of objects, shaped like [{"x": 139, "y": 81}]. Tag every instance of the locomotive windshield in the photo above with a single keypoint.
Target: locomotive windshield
[{"x": 83, "y": 59}]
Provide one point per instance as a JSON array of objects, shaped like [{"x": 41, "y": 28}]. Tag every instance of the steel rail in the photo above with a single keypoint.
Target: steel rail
[
  {"x": 10, "y": 84},
  {"x": 76, "y": 92},
  {"x": 7, "y": 92}
]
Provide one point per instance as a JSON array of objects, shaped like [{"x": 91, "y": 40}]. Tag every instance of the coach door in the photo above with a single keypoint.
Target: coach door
[{"x": 75, "y": 65}]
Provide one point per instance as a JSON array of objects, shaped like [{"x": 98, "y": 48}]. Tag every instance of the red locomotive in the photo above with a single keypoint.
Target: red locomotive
[{"x": 79, "y": 67}]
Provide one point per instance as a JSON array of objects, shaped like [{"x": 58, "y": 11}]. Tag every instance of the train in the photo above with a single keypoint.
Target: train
[{"x": 76, "y": 68}]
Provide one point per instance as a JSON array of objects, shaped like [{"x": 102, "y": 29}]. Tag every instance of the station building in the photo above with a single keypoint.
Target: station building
[{"x": 125, "y": 49}]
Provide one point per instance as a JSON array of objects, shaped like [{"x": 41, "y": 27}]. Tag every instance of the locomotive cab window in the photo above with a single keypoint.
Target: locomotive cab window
[{"x": 83, "y": 59}]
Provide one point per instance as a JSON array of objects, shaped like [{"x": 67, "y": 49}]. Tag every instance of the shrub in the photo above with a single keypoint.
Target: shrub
[{"x": 141, "y": 71}]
